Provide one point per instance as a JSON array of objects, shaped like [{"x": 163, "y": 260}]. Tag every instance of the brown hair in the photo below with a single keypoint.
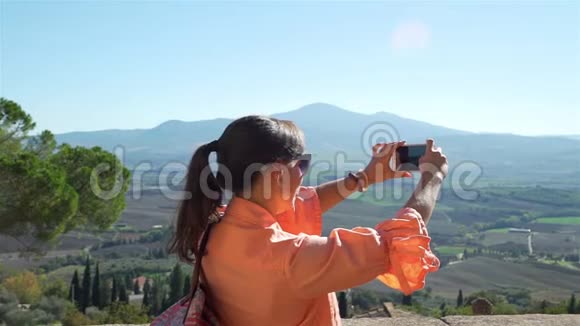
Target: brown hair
[{"x": 246, "y": 141}]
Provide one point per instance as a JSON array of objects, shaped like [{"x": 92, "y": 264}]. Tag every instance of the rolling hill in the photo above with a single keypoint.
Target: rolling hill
[{"x": 545, "y": 281}]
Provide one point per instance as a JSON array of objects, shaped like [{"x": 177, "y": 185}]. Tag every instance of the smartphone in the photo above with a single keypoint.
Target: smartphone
[{"x": 408, "y": 157}]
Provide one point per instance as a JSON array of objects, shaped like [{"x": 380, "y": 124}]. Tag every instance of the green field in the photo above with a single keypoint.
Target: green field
[
  {"x": 451, "y": 250},
  {"x": 500, "y": 230},
  {"x": 567, "y": 220}
]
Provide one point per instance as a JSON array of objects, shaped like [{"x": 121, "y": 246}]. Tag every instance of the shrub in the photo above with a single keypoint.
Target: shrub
[
  {"x": 123, "y": 313},
  {"x": 54, "y": 287},
  {"x": 55, "y": 307},
  {"x": 97, "y": 316},
  {"x": 25, "y": 286},
  {"x": 73, "y": 317},
  {"x": 8, "y": 302},
  {"x": 19, "y": 317}
]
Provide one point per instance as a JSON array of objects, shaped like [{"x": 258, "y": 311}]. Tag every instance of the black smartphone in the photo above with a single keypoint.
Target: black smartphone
[{"x": 408, "y": 157}]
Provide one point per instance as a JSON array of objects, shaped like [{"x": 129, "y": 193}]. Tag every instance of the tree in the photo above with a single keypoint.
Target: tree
[
  {"x": 572, "y": 304},
  {"x": 147, "y": 295},
  {"x": 53, "y": 190},
  {"x": 128, "y": 281},
  {"x": 96, "y": 293},
  {"x": 145, "y": 303},
  {"x": 86, "y": 298},
  {"x": 442, "y": 309},
  {"x": 115, "y": 290},
  {"x": 54, "y": 287},
  {"x": 25, "y": 286},
  {"x": 123, "y": 297},
  {"x": 543, "y": 306},
  {"x": 26, "y": 179},
  {"x": 343, "y": 304},
  {"x": 106, "y": 292},
  {"x": 176, "y": 283},
  {"x": 407, "y": 300},
  {"x": 99, "y": 179},
  {"x": 14, "y": 125},
  {"x": 460, "y": 299},
  {"x": 42, "y": 145},
  {"x": 136, "y": 288},
  {"x": 186, "y": 286},
  {"x": 156, "y": 297},
  {"x": 75, "y": 294}
]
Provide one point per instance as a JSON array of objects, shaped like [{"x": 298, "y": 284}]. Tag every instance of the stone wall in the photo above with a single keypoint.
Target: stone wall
[
  {"x": 498, "y": 320},
  {"x": 512, "y": 320}
]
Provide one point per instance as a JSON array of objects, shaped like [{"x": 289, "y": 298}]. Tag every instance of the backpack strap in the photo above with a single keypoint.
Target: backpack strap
[{"x": 197, "y": 269}]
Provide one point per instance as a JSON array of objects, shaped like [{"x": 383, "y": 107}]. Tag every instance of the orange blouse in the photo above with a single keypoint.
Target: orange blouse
[{"x": 266, "y": 270}]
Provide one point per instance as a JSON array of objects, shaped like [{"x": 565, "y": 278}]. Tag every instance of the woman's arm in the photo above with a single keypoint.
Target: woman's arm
[
  {"x": 434, "y": 169},
  {"x": 396, "y": 251},
  {"x": 378, "y": 170},
  {"x": 333, "y": 192}
]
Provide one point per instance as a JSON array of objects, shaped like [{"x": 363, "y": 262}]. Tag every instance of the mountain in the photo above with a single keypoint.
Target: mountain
[
  {"x": 327, "y": 128},
  {"x": 330, "y": 129}
]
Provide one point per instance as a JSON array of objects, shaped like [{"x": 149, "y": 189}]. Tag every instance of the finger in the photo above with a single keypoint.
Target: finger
[
  {"x": 376, "y": 148},
  {"x": 437, "y": 149},
  {"x": 391, "y": 150},
  {"x": 403, "y": 174},
  {"x": 429, "y": 143},
  {"x": 384, "y": 149},
  {"x": 395, "y": 144}
]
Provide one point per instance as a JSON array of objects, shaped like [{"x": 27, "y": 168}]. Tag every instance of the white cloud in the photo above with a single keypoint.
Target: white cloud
[{"x": 410, "y": 35}]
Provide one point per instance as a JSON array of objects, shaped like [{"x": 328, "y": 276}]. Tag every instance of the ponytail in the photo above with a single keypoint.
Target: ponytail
[{"x": 203, "y": 197}]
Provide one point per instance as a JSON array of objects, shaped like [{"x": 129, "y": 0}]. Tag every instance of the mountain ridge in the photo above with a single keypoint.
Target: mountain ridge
[{"x": 330, "y": 130}]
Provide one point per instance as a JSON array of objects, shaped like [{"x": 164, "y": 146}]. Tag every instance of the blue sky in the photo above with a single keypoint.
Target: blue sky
[{"x": 488, "y": 66}]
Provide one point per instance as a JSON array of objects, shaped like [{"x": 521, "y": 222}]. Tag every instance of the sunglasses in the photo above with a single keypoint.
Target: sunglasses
[{"x": 303, "y": 162}]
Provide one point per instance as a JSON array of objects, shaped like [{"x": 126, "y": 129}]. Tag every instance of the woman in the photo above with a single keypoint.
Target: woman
[{"x": 266, "y": 263}]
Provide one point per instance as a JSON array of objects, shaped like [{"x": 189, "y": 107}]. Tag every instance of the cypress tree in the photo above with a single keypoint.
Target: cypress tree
[
  {"x": 123, "y": 297},
  {"x": 155, "y": 298},
  {"x": 176, "y": 284},
  {"x": 145, "y": 301},
  {"x": 106, "y": 287},
  {"x": 128, "y": 281},
  {"x": 147, "y": 287},
  {"x": 342, "y": 304},
  {"x": 407, "y": 300},
  {"x": 74, "y": 294},
  {"x": 442, "y": 309},
  {"x": 86, "y": 299},
  {"x": 543, "y": 306},
  {"x": 572, "y": 304},
  {"x": 115, "y": 290},
  {"x": 97, "y": 302},
  {"x": 136, "y": 289},
  {"x": 460, "y": 299}
]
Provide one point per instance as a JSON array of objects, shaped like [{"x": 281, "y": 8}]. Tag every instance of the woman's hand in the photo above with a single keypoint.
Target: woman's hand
[
  {"x": 433, "y": 162},
  {"x": 379, "y": 168}
]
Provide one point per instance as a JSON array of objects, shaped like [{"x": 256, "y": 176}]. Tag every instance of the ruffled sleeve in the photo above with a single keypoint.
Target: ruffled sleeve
[
  {"x": 408, "y": 254},
  {"x": 396, "y": 252}
]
